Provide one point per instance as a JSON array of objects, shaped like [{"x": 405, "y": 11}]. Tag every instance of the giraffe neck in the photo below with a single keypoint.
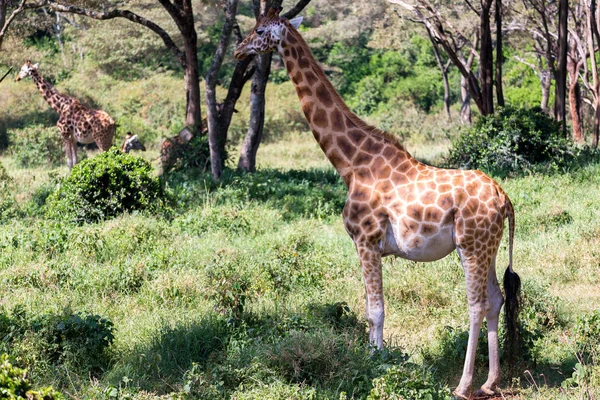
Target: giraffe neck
[
  {"x": 347, "y": 141},
  {"x": 51, "y": 95}
]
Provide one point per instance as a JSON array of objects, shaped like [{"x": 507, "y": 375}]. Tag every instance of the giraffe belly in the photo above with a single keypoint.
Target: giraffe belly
[
  {"x": 84, "y": 137},
  {"x": 416, "y": 247}
]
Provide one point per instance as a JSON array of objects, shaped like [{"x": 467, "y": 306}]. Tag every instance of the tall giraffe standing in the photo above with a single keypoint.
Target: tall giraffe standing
[
  {"x": 399, "y": 206},
  {"x": 76, "y": 122}
]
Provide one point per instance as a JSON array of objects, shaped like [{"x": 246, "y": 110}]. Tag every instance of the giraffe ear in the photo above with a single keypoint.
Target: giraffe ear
[
  {"x": 296, "y": 22},
  {"x": 36, "y": 65}
]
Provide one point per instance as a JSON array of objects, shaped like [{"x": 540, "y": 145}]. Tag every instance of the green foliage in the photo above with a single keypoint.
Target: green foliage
[
  {"x": 9, "y": 207},
  {"x": 408, "y": 382},
  {"x": 195, "y": 154},
  {"x": 587, "y": 333},
  {"x": 76, "y": 341},
  {"x": 106, "y": 186},
  {"x": 14, "y": 384},
  {"x": 513, "y": 139},
  {"x": 228, "y": 288},
  {"x": 37, "y": 145}
]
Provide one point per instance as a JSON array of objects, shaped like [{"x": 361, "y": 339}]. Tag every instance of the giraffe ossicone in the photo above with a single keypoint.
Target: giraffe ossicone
[
  {"x": 399, "y": 206},
  {"x": 77, "y": 123}
]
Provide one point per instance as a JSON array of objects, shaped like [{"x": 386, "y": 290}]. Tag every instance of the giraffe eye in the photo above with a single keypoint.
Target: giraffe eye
[{"x": 260, "y": 32}]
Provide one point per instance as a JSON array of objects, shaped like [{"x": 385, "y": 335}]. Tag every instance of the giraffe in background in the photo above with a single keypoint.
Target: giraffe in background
[
  {"x": 399, "y": 206},
  {"x": 76, "y": 122}
]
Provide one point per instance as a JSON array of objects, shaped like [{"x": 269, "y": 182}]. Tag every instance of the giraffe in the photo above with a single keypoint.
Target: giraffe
[
  {"x": 399, "y": 206},
  {"x": 76, "y": 122},
  {"x": 132, "y": 142}
]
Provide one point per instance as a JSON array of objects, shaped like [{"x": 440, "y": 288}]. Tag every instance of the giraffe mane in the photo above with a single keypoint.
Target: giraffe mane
[{"x": 360, "y": 124}]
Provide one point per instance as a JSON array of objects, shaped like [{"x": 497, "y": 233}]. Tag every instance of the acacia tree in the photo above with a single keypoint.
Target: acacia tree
[
  {"x": 541, "y": 18},
  {"x": 576, "y": 58},
  {"x": 179, "y": 10},
  {"x": 561, "y": 68},
  {"x": 220, "y": 115},
  {"x": 452, "y": 40}
]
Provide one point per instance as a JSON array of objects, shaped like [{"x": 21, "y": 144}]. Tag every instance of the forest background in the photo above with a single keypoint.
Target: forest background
[{"x": 247, "y": 286}]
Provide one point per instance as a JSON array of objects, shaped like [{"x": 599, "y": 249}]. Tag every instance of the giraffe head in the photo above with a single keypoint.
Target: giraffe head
[
  {"x": 132, "y": 143},
  {"x": 26, "y": 70},
  {"x": 267, "y": 35}
]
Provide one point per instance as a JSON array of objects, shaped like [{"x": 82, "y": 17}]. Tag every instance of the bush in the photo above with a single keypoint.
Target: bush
[
  {"x": 106, "y": 186},
  {"x": 513, "y": 139},
  {"x": 408, "y": 382},
  {"x": 8, "y": 205},
  {"x": 15, "y": 385},
  {"x": 37, "y": 145}
]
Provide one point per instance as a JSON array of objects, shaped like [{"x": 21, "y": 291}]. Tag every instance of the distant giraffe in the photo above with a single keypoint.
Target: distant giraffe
[
  {"x": 76, "y": 122},
  {"x": 132, "y": 142},
  {"x": 399, "y": 206}
]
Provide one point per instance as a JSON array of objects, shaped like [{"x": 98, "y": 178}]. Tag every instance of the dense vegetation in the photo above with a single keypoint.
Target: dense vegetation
[{"x": 249, "y": 287}]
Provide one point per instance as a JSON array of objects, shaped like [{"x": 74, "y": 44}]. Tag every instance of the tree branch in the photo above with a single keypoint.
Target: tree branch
[
  {"x": 126, "y": 14},
  {"x": 22, "y": 7},
  {"x": 297, "y": 9}
]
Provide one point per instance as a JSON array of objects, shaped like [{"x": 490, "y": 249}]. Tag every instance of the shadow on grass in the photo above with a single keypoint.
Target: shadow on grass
[
  {"x": 323, "y": 347},
  {"x": 296, "y": 193},
  {"x": 46, "y": 118},
  {"x": 448, "y": 360}
]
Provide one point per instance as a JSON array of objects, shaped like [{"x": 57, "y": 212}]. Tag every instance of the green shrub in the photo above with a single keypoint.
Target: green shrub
[
  {"x": 106, "y": 186},
  {"x": 193, "y": 154},
  {"x": 9, "y": 207},
  {"x": 408, "y": 382},
  {"x": 77, "y": 341},
  {"x": 15, "y": 385},
  {"x": 512, "y": 139},
  {"x": 37, "y": 145}
]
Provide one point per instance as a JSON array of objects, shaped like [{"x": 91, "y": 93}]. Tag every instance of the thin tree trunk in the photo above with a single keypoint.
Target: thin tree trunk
[
  {"x": 546, "y": 84},
  {"x": 573, "y": 67},
  {"x": 561, "y": 68},
  {"x": 193, "y": 114},
  {"x": 486, "y": 59},
  {"x": 499, "y": 55},
  {"x": 444, "y": 70},
  {"x": 247, "y": 161},
  {"x": 216, "y": 138},
  {"x": 465, "y": 109}
]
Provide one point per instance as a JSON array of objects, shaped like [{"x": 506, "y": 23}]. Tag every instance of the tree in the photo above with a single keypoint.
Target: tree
[
  {"x": 576, "y": 58},
  {"x": 561, "y": 68},
  {"x": 182, "y": 14},
  {"x": 452, "y": 40},
  {"x": 247, "y": 160},
  {"x": 541, "y": 18}
]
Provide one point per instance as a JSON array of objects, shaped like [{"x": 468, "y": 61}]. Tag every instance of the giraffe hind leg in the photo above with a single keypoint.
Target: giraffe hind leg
[
  {"x": 476, "y": 268},
  {"x": 496, "y": 301}
]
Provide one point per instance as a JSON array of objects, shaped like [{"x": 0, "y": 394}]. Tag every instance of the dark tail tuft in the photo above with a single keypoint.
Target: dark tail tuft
[{"x": 512, "y": 287}]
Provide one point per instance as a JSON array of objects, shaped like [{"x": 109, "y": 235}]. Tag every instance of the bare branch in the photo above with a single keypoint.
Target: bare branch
[
  {"x": 297, "y": 9},
  {"x": 127, "y": 15},
  {"x": 22, "y": 7},
  {"x": 6, "y": 74}
]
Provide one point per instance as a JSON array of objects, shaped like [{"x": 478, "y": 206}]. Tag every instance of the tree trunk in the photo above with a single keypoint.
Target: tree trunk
[
  {"x": 193, "y": 115},
  {"x": 486, "y": 59},
  {"x": 499, "y": 55},
  {"x": 216, "y": 137},
  {"x": 561, "y": 68},
  {"x": 444, "y": 70},
  {"x": 465, "y": 109},
  {"x": 546, "y": 84},
  {"x": 247, "y": 161},
  {"x": 573, "y": 67}
]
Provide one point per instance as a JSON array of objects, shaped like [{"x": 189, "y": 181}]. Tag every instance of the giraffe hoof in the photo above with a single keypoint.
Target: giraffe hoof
[
  {"x": 460, "y": 394},
  {"x": 484, "y": 392}
]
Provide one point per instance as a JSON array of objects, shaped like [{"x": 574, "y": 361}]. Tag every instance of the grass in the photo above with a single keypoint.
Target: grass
[{"x": 252, "y": 289}]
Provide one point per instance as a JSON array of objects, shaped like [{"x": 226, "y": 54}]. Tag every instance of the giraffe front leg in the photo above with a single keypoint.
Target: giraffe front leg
[
  {"x": 70, "y": 151},
  {"x": 370, "y": 261}
]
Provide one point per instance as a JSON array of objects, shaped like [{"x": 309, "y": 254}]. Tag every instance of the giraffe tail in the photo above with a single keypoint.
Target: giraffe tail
[{"x": 512, "y": 287}]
